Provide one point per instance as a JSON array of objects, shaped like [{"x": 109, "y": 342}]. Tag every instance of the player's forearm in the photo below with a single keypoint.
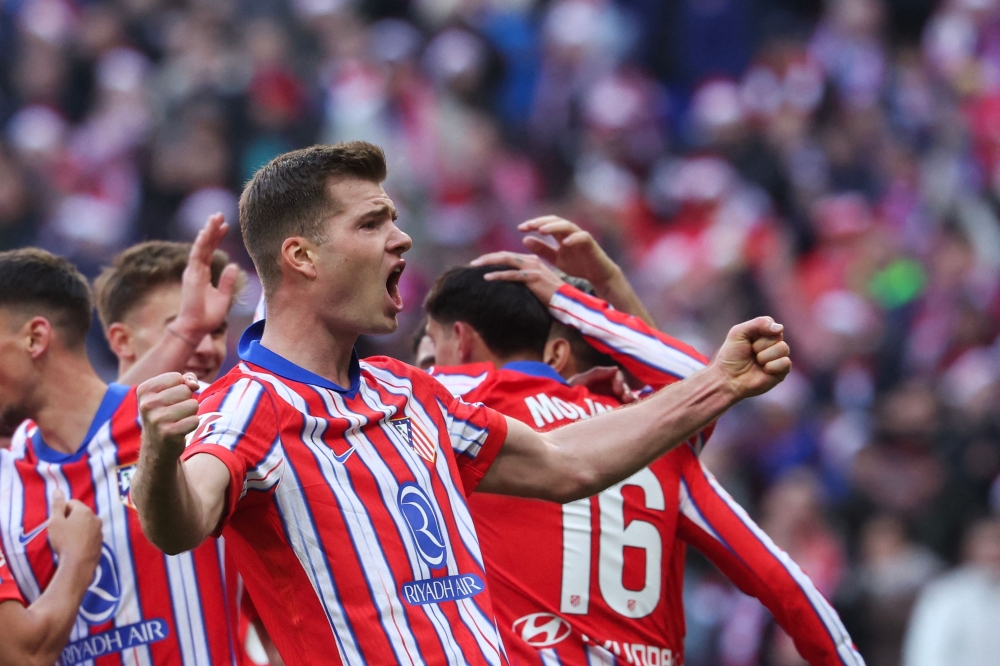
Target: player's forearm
[
  {"x": 171, "y": 512},
  {"x": 591, "y": 455},
  {"x": 619, "y": 293},
  {"x": 170, "y": 354},
  {"x": 38, "y": 634},
  {"x": 653, "y": 357}
]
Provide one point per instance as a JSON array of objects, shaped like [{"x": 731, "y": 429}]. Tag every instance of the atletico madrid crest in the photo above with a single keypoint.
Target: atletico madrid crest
[{"x": 422, "y": 443}]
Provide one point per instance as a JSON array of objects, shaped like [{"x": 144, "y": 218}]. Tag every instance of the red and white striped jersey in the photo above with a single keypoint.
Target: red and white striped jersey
[
  {"x": 8, "y": 586},
  {"x": 347, "y": 511},
  {"x": 600, "y": 580},
  {"x": 143, "y": 607}
]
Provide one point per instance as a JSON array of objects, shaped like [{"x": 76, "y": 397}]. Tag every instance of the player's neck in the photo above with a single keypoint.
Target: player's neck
[
  {"x": 310, "y": 345},
  {"x": 500, "y": 361},
  {"x": 70, "y": 396}
]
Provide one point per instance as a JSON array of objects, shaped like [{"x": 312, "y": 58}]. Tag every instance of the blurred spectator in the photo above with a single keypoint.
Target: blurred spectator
[{"x": 956, "y": 619}]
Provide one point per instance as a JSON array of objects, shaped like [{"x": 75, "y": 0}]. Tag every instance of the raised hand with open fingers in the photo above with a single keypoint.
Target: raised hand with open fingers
[
  {"x": 576, "y": 252},
  {"x": 526, "y": 268},
  {"x": 204, "y": 307}
]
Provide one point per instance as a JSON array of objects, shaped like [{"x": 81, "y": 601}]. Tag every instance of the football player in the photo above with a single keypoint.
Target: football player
[
  {"x": 80, "y": 438},
  {"x": 340, "y": 484},
  {"x": 599, "y": 580}
]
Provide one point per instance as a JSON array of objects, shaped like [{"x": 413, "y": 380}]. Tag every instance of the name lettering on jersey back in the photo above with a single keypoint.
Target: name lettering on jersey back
[
  {"x": 114, "y": 640},
  {"x": 546, "y": 410},
  {"x": 438, "y": 590},
  {"x": 634, "y": 653}
]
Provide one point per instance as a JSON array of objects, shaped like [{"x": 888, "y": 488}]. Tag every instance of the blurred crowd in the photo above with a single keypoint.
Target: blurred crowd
[{"x": 836, "y": 165}]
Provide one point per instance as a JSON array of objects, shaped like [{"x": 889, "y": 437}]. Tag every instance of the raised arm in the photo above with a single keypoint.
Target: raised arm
[
  {"x": 653, "y": 357},
  {"x": 590, "y": 455},
  {"x": 716, "y": 525},
  {"x": 37, "y": 634},
  {"x": 179, "y": 503},
  {"x": 203, "y": 309}
]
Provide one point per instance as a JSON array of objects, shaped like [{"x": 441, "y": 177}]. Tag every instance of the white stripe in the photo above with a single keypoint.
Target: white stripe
[
  {"x": 598, "y": 656},
  {"x": 688, "y": 509},
  {"x": 103, "y": 460},
  {"x": 826, "y": 613},
  {"x": 458, "y": 385},
  {"x": 12, "y": 515},
  {"x": 549, "y": 657},
  {"x": 645, "y": 349}
]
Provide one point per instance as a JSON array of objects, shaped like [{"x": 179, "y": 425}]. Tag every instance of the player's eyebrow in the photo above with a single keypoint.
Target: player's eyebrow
[{"x": 380, "y": 211}]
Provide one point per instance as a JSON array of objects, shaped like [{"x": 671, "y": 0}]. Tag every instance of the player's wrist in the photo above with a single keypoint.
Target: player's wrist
[{"x": 723, "y": 384}]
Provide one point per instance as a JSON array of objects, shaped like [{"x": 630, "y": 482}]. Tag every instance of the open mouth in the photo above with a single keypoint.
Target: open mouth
[{"x": 392, "y": 286}]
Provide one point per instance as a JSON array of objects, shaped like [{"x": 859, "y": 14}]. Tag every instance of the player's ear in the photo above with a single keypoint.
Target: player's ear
[
  {"x": 119, "y": 338},
  {"x": 558, "y": 354},
  {"x": 468, "y": 341},
  {"x": 37, "y": 336},
  {"x": 298, "y": 255}
]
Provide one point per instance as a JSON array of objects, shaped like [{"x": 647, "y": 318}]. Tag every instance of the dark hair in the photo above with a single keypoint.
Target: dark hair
[
  {"x": 506, "y": 314},
  {"x": 287, "y": 196},
  {"x": 40, "y": 283},
  {"x": 586, "y": 355},
  {"x": 137, "y": 271}
]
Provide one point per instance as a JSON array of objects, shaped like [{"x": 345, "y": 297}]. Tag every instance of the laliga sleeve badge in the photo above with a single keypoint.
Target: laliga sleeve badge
[
  {"x": 416, "y": 438},
  {"x": 125, "y": 474}
]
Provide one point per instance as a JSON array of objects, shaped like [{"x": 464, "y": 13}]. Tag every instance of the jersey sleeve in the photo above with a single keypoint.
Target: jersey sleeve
[
  {"x": 711, "y": 521},
  {"x": 238, "y": 424},
  {"x": 476, "y": 433},
  {"x": 653, "y": 357},
  {"x": 9, "y": 590}
]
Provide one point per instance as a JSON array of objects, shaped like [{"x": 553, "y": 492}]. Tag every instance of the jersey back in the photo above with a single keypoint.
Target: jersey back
[
  {"x": 591, "y": 580},
  {"x": 142, "y": 607}
]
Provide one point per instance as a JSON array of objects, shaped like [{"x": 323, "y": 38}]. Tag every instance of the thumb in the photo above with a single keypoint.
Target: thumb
[
  {"x": 227, "y": 281},
  {"x": 755, "y": 328},
  {"x": 58, "y": 504}
]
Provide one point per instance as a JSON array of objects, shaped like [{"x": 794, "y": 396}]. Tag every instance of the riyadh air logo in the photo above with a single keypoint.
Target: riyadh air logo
[
  {"x": 101, "y": 600},
  {"x": 419, "y": 514},
  {"x": 125, "y": 474},
  {"x": 541, "y": 630}
]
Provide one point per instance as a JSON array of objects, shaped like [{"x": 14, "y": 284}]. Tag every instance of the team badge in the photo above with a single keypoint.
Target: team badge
[
  {"x": 416, "y": 438},
  {"x": 125, "y": 474}
]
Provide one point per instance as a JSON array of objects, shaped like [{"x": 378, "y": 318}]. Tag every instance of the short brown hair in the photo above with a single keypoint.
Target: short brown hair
[
  {"x": 287, "y": 195},
  {"x": 142, "y": 268},
  {"x": 40, "y": 283}
]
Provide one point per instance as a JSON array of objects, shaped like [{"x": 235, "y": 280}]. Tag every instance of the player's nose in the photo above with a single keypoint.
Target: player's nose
[{"x": 399, "y": 241}]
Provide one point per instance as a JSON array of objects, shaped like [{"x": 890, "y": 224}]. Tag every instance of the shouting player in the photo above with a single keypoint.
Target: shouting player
[
  {"x": 340, "y": 485},
  {"x": 604, "y": 577},
  {"x": 82, "y": 440}
]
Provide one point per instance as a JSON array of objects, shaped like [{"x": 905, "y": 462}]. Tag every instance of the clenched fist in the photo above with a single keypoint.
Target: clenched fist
[
  {"x": 754, "y": 358},
  {"x": 74, "y": 532},
  {"x": 169, "y": 412}
]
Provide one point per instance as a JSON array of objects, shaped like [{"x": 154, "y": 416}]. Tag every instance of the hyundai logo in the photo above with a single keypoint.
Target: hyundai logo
[
  {"x": 418, "y": 511},
  {"x": 541, "y": 630},
  {"x": 101, "y": 600}
]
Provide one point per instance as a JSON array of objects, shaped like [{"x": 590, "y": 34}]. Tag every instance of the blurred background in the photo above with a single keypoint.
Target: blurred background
[{"x": 835, "y": 164}]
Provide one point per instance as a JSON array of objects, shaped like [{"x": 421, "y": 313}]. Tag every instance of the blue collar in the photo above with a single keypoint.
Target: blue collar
[
  {"x": 535, "y": 369},
  {"x": 113, "y": 399},
  {"x": 252, "y": 351}
]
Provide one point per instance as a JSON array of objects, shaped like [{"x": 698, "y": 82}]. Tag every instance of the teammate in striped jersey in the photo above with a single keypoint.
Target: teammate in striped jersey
[
  {"x": 36, "y": 634},
  {"x": 82, "y": 440},
  {"x": 341, "y": 485},
  {"x": 580, "y": 598}
]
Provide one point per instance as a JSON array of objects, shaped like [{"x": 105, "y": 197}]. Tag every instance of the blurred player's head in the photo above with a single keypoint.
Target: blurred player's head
[
  {"x": 472, "y": 320},
  {"x": 423, "y": 346},
  {"x": 45, "y": 306},
  {"x": 322, "y": 234},
  {"x": 140, "y": 293}
]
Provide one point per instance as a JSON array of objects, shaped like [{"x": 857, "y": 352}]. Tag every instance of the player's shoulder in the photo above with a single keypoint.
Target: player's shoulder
[
  {"x": 240, "y": 379},
  {"x": 461, "y": 380}
]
